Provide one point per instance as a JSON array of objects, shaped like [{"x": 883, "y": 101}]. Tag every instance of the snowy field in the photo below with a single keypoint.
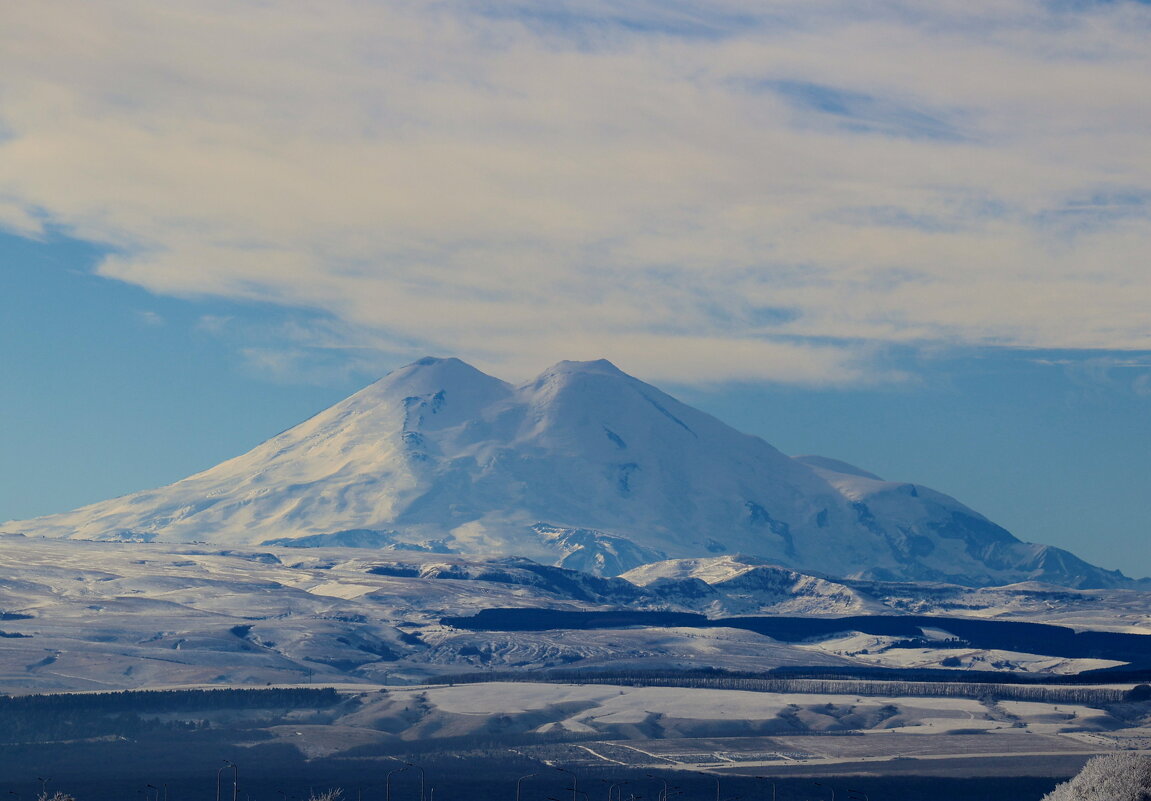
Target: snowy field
[
  {"x": 80, "y": 615},
  {"x": 652, "y": 728}
]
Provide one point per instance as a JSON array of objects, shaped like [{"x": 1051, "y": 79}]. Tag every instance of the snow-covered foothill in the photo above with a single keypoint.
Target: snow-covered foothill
[{"x": 113, "y": 615}]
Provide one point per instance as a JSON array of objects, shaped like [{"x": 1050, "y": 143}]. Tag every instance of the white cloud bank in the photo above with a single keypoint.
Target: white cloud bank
[{"x": 701, "y": 192}]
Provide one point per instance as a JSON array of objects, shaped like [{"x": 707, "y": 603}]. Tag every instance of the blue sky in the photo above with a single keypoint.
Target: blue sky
[{"x": 913, "y": 236}]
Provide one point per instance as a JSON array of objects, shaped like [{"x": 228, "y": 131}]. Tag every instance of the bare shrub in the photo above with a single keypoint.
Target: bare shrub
[
  {"x": 1117, "y": 777},
  {"x": 334, "y": 794}
]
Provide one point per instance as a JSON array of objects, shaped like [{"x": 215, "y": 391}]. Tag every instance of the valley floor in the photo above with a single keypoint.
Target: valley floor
[
  {"x": 599, "y": 727},
  {"x": 78, "y": 620}
]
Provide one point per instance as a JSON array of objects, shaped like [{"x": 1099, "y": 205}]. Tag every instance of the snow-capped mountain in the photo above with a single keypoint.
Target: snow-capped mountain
[{"x": 583, "y": 467}]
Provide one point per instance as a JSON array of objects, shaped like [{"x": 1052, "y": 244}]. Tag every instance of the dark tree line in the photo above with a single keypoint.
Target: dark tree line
[
  {"x": 176, "y": 700},
  {"x": 130, "y": 713},
  {"x": 1091, "y": 696}
]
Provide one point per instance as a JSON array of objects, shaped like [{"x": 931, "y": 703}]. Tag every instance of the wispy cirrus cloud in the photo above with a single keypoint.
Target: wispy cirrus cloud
[
  {"x": 855, "y": 112},
  {"x": 699, "y": 192}
]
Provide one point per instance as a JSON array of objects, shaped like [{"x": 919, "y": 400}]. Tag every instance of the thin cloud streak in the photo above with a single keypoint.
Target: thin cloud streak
[{"x": 698, "y": 194}]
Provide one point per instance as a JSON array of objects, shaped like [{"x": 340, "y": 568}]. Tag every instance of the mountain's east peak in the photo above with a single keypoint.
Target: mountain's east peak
[
  {"x": 596, "y": 366},
  {"x": 570, "y": 372},
  {"x": 439, "y": 362}
]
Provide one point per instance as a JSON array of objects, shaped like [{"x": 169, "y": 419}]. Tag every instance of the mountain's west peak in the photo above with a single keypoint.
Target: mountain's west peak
[
  {"x": 432, "y": 374},
  {"x": 436, "y": 366}
]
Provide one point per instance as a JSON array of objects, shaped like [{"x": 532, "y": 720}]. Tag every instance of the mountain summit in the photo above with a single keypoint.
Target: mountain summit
[{"x": 583, "y": 466}]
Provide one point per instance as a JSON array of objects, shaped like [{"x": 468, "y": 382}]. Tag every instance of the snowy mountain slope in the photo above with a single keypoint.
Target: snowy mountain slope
[
  {"x": 934, "y": 532},
  {"x": 584, "y": 466}
]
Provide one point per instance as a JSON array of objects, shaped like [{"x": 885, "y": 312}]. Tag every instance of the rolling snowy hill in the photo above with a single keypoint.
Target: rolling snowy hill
[
  {"x": 584, "y": 467},
  {"x": 114, "y": 615}
]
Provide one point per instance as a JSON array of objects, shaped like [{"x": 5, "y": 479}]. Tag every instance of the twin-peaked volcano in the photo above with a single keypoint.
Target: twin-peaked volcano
[{"x": 583, "y": 466}]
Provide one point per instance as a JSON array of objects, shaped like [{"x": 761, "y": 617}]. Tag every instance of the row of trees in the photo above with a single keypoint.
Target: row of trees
[
  {"x": 132, "y": 713},
  {"x": 1090, "y": 696},
  {"x": 175, "y": 700}
]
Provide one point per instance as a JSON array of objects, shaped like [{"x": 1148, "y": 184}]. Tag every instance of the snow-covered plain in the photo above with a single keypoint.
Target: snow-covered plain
[
  {"x": 884, "y": 651},
  {"x": 674, "y": 728}
]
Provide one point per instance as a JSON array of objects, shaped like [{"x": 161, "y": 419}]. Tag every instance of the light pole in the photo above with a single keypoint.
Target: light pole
[
  {"x": 43, "y": 785},
  {"x": 619, "y": 795},
  {"x": 235, "y": 779},
  {"x": 663, "y": 792},
  {"x": 829, "y": 787},
  {"x": 388, "y": 782},
  {"x": 421, "y": 770},
  {"x": 765, "y": 779},
  {"x": 568, "y": 772},
  {"x": 520, "y": 781}
]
